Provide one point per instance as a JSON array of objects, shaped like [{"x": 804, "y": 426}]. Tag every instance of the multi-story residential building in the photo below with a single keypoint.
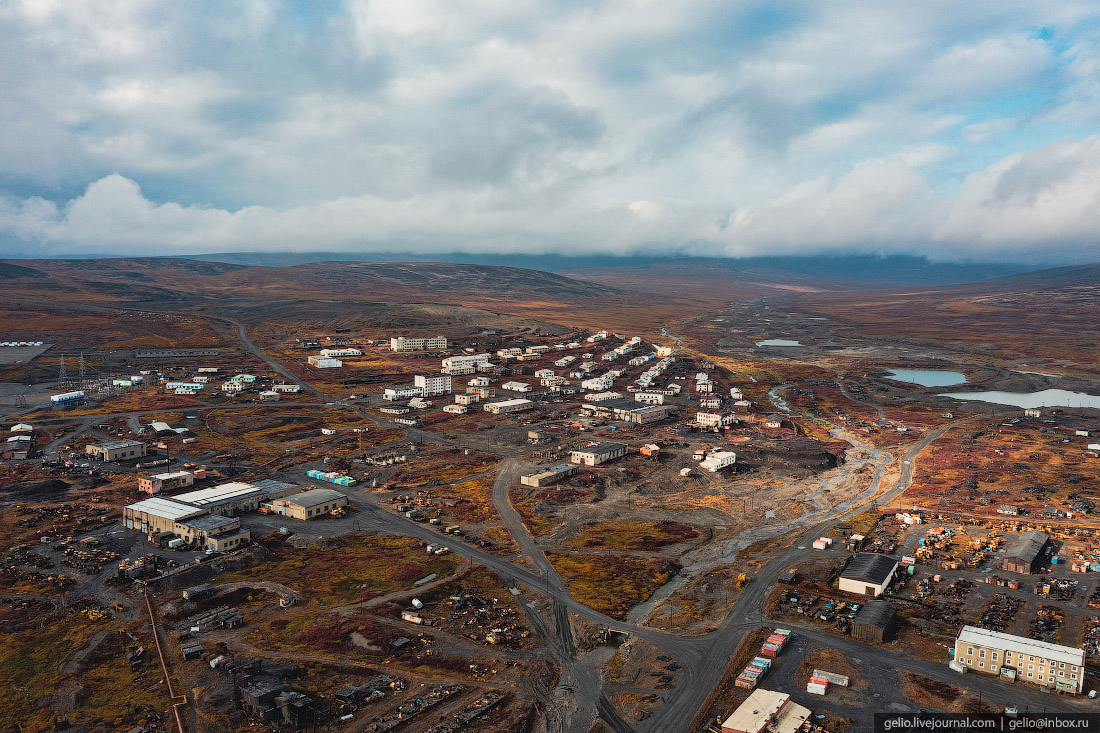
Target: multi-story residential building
[
  {"x": 1017, "y": 658},
  {"x": 433, "y": 384},
  {"x": 408, "y": 343}
]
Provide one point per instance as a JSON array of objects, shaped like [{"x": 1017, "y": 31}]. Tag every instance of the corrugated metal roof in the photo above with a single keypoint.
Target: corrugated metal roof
[
  {"x": 1027, "y": 546},
  {"x": 163, "y": 506},
  {"x": 877, "y": 613},
  {"x": 220, "y": 494},
  {"x": 871, "y": 567},
  {"x": 316, "y": 497}
]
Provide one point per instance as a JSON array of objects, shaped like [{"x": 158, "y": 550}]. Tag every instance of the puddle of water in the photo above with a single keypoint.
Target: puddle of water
[
  {"x": 927, "y": 377},
  {"x": 778, "y": 342}
]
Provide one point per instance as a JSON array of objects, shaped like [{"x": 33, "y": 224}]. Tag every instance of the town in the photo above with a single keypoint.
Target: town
[{"x": 422, "y": 530}]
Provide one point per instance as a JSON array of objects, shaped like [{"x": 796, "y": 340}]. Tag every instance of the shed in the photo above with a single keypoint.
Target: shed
[
  {"x": 875, "y": 621},
  {"x": 1024, "y": 554}
]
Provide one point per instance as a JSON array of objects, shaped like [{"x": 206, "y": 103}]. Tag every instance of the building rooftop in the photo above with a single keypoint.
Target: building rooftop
[
  {"x": 509, "y": 403},
  {"x": 1021, "y": 645},
  {"x": 871, "y": 567},
  {"x": 877, "y": 613},
  {"x": 163, "y": 506},
  {"x": 115, "y": 444},
  {"x": 313, "y": 498},
  {"x": 601, "y": 448},
  {"x": 220, "y": 494},
  {"x": 272, "y": 486},
  {"x": 169, "y": 476},
  {"x": 761, "y": 706},
  {"x": 1028, "y": 546},
  {"x": 210, "y": 522}
]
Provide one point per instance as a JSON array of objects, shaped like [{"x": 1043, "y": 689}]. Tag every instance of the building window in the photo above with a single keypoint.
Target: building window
[
  {"x": 970, "y": 650},
  {"x": 981, "y": 653},
  {"x": 1062, "y": 665},
  {"x": 981, "y": 664},
  {"x": 1031, "y": 666},
  {"x": 994, "y": 656},
  {"x": 993, "y": 668}
]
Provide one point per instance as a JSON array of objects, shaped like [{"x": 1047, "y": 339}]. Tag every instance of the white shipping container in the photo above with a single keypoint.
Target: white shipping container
[{"x": 815, "y": 689}]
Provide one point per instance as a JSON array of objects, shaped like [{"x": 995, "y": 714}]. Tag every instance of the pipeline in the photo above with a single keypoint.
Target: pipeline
[{"x": 182, "y": 699}]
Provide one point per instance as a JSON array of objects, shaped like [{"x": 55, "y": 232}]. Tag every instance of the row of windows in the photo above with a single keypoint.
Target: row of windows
[{"x": 1031, "y": 658}]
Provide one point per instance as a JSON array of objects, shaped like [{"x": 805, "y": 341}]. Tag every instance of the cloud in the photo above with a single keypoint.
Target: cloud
[{"x": 961, "y": 130}]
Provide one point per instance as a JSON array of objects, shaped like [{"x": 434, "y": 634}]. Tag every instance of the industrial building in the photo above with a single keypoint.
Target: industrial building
[
  {"x": 628, "y": 410},
  {"x": 434, "y": 384},
  {"x": 765, "y": 710},
  {"x": 549, "y": 475},
  {"x": 331, "y": 353},
  {"x": 402, "y": 392},
  {"x": 235, "y": 497},
  {"x": 868, "y": 574},
  {"x": 508, "y": 406},
  {"x": 409, "y": 343},
  {"x": 1025, "y": 554},
  {"x": 599, "y": 453},
  {"x": 194, "y": 524},
  {"x": 875, "y": 621},
  {"x": 1013, "y": 658},
  {"x": 323, "y": 362},
  {"x": 116, "y": 450},
  {"x": 160, "y": 482},
  {"x": 718, "y": 460},
  {"x": 308, "y": 504}
]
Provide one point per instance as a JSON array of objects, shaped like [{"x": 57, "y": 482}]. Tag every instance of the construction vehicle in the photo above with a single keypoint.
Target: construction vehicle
[
  {"x": 741, "y": 580},
  {"x": 339, "y": 512}
]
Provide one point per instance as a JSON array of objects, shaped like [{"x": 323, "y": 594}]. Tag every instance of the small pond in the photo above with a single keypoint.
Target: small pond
[{"x": 927, "y": 377}]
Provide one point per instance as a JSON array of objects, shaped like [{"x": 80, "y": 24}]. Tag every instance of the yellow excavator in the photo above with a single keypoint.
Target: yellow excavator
[{"x": 741, "y": 580}]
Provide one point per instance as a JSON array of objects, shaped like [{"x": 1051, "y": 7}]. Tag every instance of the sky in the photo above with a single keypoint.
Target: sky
[{"x": 958, "y": 131}]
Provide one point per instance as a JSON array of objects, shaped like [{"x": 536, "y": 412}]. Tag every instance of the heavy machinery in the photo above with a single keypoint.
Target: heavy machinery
[
  {"x": 741, "y": 580},
  {"x": 339, "y": 512}
]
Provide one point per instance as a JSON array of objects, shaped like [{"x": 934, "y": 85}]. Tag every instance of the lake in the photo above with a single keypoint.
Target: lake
[
  {"x": 778, "y": 342},
  {"x": 927, "y": 377},
  {"x": 1045, "y": 398}
]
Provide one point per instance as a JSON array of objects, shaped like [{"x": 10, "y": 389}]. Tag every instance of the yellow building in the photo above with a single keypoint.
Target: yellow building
[{"x": 1013, "y": 658}]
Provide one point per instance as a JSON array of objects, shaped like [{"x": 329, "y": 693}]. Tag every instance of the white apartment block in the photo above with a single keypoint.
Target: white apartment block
[
  {"x": 406, "y": 343},
  {"x": 433, "y": 384},
  {"x": 465, "y": 360},
  {"x": 717, "y": 461},
  {"x": 400, "y": 393}
]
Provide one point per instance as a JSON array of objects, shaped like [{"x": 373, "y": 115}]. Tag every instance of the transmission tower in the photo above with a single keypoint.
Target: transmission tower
[
  {"x": 61, "y": 374},
  {"x": 81, "y": 367}
]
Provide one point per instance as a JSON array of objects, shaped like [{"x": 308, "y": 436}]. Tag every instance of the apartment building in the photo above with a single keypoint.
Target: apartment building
[
  {"x": 408, "y": 343},
  {"x": 1017, "y": 658},
  {"x": 434, "y": 384}
]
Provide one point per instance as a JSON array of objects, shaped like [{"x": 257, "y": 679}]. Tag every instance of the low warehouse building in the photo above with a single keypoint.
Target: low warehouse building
[
  {"x": 1024, "y": 554},
  {"x": 508, "y": 406},
  {"x": 596, "y": 454},
  {"x": 868, "y": 574},
  {"x": 233, "y": 498},
  {"x": 116, "y": 450},
  {"x": 324, "y": 362},
  {"x": 765, "y": 710},
  {"x": 309, "y": 504},
  {"x": 192, "y": 523},
  {"x": 549, "y": 475},
  {"x": 875, "y": 621}
]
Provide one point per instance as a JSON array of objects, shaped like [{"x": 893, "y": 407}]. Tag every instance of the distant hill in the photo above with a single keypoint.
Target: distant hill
[
  {"x": 842, "y": 270},
  {"x": 156, "y": 278}
]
